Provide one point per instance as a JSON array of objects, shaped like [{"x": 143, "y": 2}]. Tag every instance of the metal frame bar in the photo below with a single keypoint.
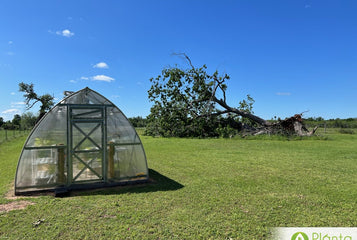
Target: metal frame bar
[
  {"x": 86, "y": 136},
  {"x": 104, "y": 145},
  {"x": 119, "y": 182},
  {"x": 86, "y": 113},
  {"x": 73, "y": 121},
  {"x": 86, "y": 166},
  {"x": 125, "y": 144},
  {"x": 88, "y": 151},
  {"x": 88, "y": 120},
  {"x": 69, "y": 147},
  {"x": 45, "y": 147},
  {"x": 86, "y": 106}
]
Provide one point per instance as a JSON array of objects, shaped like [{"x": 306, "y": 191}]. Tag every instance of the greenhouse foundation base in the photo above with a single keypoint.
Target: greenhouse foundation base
[{"x": 66, "y": 191}]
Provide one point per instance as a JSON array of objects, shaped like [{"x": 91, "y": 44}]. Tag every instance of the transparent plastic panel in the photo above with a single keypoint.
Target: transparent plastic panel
[
  {"x": 87, "y": 113},
  {"x": 42, "y": 168},
  {"x": 86, "y": 96},
  {"x": 52, "y": 129},
  {"x": 87, "y": 136},
  {"x": 129, "y": 162},
  {"x": 95, "y": 98},
  {"x": 119, "y": 128},
  {"x": 87, "y": 166}
]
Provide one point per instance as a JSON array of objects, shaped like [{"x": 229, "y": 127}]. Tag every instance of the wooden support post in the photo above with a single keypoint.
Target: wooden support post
[
  {"x": 111, "y": 160},
  {"x": 61, "y": 162}
]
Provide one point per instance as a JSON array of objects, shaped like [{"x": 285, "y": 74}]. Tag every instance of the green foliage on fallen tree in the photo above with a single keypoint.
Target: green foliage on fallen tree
[{"x": 192, "y": 103}]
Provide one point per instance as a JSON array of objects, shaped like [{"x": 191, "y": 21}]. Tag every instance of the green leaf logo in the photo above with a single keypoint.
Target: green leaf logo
[{"x": 299, "y": 236}]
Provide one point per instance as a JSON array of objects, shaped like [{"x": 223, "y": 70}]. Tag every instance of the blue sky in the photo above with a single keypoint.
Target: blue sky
[{"x": 289, "y": 55}]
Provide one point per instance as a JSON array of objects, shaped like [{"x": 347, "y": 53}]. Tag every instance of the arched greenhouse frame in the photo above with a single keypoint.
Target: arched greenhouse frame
[{"x": 84, "y": 141}]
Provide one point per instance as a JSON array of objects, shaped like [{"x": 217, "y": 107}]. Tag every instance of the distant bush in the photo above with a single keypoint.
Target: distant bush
[
  {"x": 346, "y": 131},
  {"x": 332, "y": 123},
  {"x": 138, "y": 122}
]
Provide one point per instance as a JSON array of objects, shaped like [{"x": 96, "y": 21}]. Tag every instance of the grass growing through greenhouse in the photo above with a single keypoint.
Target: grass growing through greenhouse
[{"x": 203, "y": 189}]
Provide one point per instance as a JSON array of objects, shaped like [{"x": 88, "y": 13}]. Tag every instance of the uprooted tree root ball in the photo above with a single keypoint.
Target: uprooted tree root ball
[{"x": 289, "y": 126}]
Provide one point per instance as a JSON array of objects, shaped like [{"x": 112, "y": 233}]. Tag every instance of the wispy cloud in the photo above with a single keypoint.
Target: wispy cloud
[
  {"x": 283, "y": 93},
  {"x": 101, "y": 65},
  {"x": 18, "y": 103},
  {"x": 63, "y": 33},
  {"x": 72, "y": 81},
  {"x": 10, "y": 42},
  {"x": 84, "y": 78},
  {"x": 13, "y": 93},
  {"x": 103, "y": 78},
  {"x": 12, "y": 111}
]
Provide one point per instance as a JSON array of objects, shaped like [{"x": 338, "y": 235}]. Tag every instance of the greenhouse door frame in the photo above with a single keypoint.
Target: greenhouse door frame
[{"x": 78, "y": 117}]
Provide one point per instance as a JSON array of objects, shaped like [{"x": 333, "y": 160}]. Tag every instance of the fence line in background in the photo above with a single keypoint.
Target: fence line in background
[{"x": 7, "y": 135}]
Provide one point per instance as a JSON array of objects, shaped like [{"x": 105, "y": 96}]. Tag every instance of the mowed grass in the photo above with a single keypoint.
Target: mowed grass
[{"x": 203, "y": 189}]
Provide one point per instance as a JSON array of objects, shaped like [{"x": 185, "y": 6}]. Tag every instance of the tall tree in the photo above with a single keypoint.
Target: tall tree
[
  {"x": 28, "y": 120},
  {"x": 31, "y": 98},
  {"x": 16, "y": 121}
]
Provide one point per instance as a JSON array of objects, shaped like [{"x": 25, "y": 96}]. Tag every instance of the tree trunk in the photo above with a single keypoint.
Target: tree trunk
[{"x": 250, "y": 116}]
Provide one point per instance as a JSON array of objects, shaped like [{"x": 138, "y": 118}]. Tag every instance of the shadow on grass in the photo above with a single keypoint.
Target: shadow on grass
[{"x": 157, "y": 182}]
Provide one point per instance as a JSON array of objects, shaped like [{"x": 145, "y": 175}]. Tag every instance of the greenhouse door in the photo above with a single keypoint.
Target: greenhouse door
[{"x": 86, "y": 136}]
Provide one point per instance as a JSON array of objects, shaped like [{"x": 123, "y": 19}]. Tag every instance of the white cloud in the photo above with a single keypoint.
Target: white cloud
[
  {"x": 283, "y": 93},
  {"x": 103, "y": 78},
  {"x": 13, "y": 93},
  {"x": 84, "y": 78},
  {"x": 101, "y": 65},
  {"x": 18, "y": 103},
  {"x": 65, "y": 33},
  {"x": 72, "y": 81},
  {"x": 12, "y": 110}
]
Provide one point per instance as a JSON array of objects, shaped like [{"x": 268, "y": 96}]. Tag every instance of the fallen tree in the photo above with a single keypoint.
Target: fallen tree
[
  {"x": 192, "y": 103},
  {"x": 290, "y": 126}
]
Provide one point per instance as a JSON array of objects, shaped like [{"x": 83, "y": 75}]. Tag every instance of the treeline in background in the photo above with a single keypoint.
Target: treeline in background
[
  {"x": 331, "y": 123},
  {"x": 28, "y": 121}
]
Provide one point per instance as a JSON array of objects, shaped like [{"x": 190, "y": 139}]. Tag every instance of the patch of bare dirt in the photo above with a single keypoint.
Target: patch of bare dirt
[
  {"x": 14, "y": 205},
  {"x": 11, "y": 194}
]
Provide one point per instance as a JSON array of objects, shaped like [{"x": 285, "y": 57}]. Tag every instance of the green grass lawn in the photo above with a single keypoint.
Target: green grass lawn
[{"x": 204, "y": 189}]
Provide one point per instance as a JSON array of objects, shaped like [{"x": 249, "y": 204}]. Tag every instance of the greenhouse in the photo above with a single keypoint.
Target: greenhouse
[{"x": 85, "y": 141}]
